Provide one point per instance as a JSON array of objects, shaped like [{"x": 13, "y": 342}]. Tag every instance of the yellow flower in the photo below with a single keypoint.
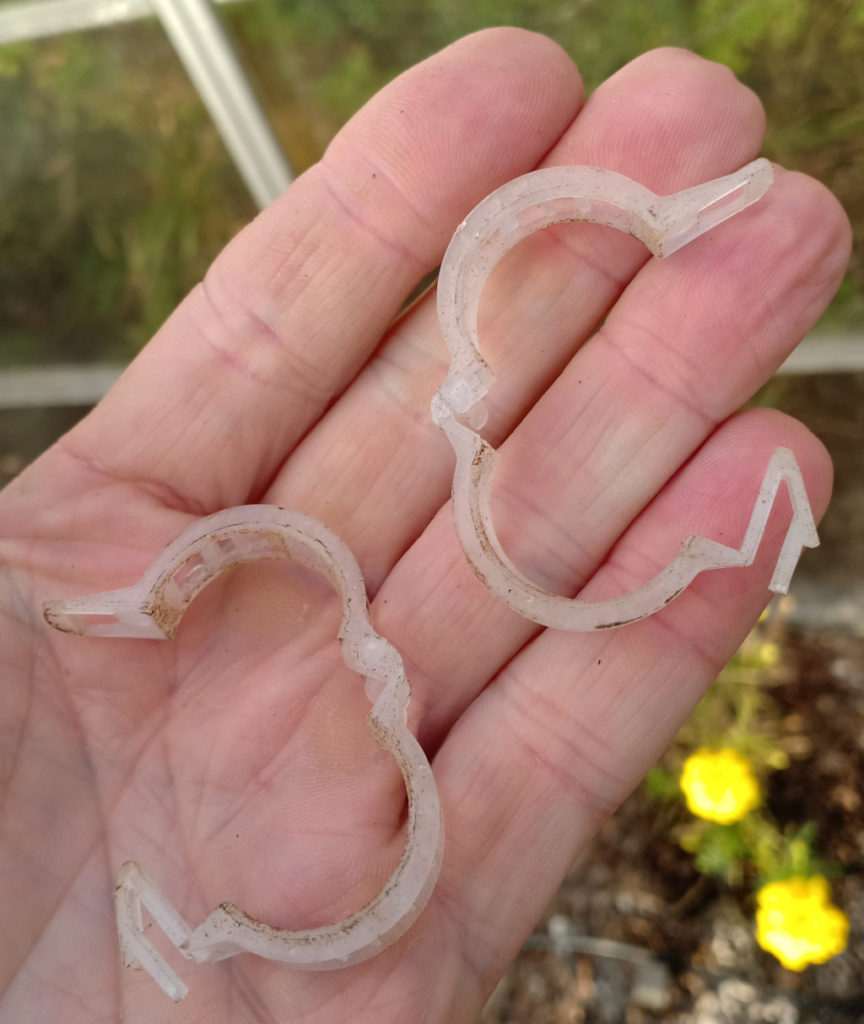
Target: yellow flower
[
  {"x": 719, "y": 785},
  {"x": 769, "y": 653},
  {"x": 798, "y": 923}
]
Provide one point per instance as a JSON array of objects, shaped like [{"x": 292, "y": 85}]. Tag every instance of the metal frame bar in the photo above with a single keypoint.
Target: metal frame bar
[
  {"x": 215, "y": 71},
  {"x": 43, "y": 18},
  {"x": 827, "y": 353},
  {"x": 40, "y": 19},
  {"x": 206, "y": 53},
  {"x": 34, "y": 387},
  {"x": 59, "y": 385}
]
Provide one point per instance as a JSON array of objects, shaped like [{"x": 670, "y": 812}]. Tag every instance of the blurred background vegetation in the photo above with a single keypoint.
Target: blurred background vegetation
[{"x": 117, "y": 192}]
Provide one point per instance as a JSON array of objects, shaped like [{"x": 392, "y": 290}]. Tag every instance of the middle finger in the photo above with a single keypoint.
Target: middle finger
[{"x": 668, "y": 119}]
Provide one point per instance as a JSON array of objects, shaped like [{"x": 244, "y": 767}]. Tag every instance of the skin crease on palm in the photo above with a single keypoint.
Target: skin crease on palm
[{"x": 232, "y": 762}]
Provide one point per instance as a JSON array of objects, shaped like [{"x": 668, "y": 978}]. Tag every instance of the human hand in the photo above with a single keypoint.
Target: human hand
[{"x": 232, "y": 762}]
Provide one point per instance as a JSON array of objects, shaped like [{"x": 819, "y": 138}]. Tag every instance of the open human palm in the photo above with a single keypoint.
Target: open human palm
[{"x": 232, "y": 762}]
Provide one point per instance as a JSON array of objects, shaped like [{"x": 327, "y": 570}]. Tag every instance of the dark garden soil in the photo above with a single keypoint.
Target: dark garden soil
[{"x": 694, "y": 937}]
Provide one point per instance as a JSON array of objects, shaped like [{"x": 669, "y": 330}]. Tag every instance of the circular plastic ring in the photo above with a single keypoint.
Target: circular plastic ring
[
  {"x": 664, "y": 224},
  {"x": 153, "y": 608}
]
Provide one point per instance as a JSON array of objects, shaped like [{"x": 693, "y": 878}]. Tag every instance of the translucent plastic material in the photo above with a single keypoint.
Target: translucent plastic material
[
  {"x": 472, "y": 514},
  {"x": 153, "y": 608},
  {"x": 556, "y": 195},
  {"x": 664, "y": 224}
]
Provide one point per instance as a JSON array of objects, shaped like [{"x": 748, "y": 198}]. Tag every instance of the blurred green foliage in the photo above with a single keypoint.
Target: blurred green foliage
[
  {"x": 741, "y": 713},
  {"x": 116, "y": 191}
]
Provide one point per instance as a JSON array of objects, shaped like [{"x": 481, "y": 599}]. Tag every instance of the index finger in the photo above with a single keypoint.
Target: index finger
[{"x": 294, "y": 306}]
